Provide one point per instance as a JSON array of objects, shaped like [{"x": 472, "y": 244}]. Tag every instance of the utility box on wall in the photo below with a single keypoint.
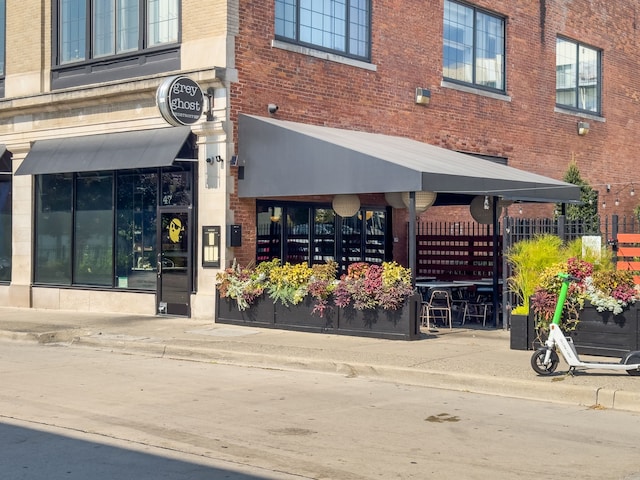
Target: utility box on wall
[{"x": 234, "y": 236}]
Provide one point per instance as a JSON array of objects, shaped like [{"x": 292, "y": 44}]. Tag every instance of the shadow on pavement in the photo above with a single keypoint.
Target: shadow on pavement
[{"x": 27, "y": 453}]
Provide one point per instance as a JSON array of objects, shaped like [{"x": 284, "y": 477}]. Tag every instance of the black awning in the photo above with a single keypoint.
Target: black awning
[
  {"x": 282, "y": 158},
  {"x": 110, "y": 151}
]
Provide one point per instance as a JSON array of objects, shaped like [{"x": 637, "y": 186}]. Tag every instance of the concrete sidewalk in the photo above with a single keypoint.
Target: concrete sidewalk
[{"x": 465, "y": 359}]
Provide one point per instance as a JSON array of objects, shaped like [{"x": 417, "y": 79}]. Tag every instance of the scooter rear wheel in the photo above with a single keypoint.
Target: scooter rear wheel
[
  {"x": 632, "y": 358},
  {"x": 538, "y": 365}
]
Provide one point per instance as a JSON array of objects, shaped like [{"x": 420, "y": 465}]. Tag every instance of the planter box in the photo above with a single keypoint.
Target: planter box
[
  {"x": 399, "y": 324},
  {"x": 260, "y": 314},
  {"x": 606, "y": 334},
  {"x": 598, "y": 333},
  {"x": 519, "y": 332},
  {"x": 299, "y": 317}
]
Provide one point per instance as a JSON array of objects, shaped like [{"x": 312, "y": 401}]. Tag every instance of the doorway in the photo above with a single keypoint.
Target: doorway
[{"x": 174, "y": 262}]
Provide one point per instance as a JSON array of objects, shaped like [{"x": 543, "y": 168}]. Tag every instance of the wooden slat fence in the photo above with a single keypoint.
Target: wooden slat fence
[
  {"x": 455, "y": 251},
  {"x": 628, "y": 253}
]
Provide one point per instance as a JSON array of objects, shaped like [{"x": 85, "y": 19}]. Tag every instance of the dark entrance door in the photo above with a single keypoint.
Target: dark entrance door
[{"x": 174, "y": 262}]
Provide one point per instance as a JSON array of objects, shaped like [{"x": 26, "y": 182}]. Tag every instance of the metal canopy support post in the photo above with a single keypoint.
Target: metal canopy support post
[
  {"x": 494, "y": 297},
  {"x": 412, "y": 236}
]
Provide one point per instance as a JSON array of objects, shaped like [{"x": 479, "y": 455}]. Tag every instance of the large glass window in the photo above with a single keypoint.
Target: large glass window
[
  {"x": 341, "y": 26},
  {"x": 93, "y": 232},
  {"x": 577, "y": 76},
  {"x": 54, "y": 194},
  {"x": 136, "y": 230},
  {"x": 97, "y": 28},
  {"x": 473, "y": 46},
  {"x": 100, "y": 228},
  {"x": 5, "y": 218},
  {"x": 315, "y": 234}
]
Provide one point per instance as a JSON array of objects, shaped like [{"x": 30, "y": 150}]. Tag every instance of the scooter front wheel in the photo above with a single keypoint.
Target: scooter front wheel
[{"x": 538, "y": 364}]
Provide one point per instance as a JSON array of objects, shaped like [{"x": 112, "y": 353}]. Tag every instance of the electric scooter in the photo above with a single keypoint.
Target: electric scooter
[{"x": 545, "y": 360}]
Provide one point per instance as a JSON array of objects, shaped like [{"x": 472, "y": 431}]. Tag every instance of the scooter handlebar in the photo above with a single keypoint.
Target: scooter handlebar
[{"x": 568, "y": 278}]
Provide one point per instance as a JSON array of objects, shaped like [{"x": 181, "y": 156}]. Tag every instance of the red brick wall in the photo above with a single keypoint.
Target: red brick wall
[{"x": 407, "y": 52}]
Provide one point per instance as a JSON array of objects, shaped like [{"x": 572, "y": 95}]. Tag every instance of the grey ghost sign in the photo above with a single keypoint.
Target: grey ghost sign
[{"x": 180, "y": 101}]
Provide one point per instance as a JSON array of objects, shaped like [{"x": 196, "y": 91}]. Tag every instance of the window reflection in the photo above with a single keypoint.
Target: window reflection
[
  {"x": 331, "y": 237},
  {"x": 53, "y": 228},
  {"x": 136, "y": 230},
  {"x": 93, "y": 243}
]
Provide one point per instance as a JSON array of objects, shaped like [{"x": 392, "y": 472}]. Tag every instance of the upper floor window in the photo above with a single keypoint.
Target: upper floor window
[
  {"x": 473, "y": 46},
  {"x": 89, "y": 29},
  {"x": 577, "y": 76},
  {"x": 341, "y": 26}
]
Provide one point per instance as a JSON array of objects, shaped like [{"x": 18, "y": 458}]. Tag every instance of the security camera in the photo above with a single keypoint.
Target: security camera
[
  {"x": 273, "y": 108},
  {"x": 209, "y": 160}
]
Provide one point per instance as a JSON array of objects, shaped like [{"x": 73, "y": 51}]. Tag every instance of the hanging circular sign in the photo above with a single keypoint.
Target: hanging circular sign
[{"x": 180, "y": 101}]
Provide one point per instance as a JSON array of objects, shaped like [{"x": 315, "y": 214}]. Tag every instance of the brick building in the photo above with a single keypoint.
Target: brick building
[{"x": 507, "y": 82}]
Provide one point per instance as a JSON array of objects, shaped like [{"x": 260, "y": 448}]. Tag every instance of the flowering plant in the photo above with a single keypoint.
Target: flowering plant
[
  {"x": 370, "y": 286},
  {"x": 244, "y": 285},
  {"x": 365, "y": 286},
  {"x": 606, "y": 290}
]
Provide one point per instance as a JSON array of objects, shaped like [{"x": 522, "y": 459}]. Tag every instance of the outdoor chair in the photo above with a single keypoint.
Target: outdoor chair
[
  {"x": 478, "y": 309},
  {"x": 437, "y": 308}
]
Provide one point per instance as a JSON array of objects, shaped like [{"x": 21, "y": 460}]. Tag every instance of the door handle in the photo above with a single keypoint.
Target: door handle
[{"x": 159, "y": 260}]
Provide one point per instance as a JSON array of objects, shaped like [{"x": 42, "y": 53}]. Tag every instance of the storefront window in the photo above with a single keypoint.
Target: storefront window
[
  {"x": 324, "y": 239},
  {"x": 297, "y": 235},
  {"x": 5, "y": 219},
  {"x": 361, "y": 238},
  {"x": 269, "y": 245},
  {"x": 136, "y": 230},
  {"x": 53, "y": 228},
  {"x": 107, "y": 238},
  {"x": 93, "y": 242}
]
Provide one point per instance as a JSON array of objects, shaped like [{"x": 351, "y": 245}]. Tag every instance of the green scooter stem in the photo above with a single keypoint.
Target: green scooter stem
[{"x": 562, "y": 296}]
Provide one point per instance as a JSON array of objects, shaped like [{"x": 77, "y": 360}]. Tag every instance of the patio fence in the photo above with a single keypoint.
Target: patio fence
[{"x": 465, "y": 250}]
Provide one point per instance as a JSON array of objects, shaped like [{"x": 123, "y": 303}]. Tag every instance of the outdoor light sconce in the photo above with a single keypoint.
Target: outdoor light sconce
[
  {"x": 423, "y": 96},
  {"x": 583, "y": 128}
]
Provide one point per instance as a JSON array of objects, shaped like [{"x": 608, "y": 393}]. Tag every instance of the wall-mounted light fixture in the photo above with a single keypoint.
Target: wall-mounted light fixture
[
  {"x": 583, "y": 128},
  {"x": 423, "y": 96}
]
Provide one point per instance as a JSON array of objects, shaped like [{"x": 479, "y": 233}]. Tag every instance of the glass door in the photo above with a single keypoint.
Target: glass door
[{"x": 174, "y": 262}]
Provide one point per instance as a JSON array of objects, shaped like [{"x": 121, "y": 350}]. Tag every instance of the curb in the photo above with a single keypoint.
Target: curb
[
  {"x": 536, "y": 389},
  {"x": 586, "y": 396}
]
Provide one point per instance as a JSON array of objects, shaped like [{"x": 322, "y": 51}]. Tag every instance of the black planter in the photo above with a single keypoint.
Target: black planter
[
  {"x": 301, "y": 317},
  {"x": 261, "y": 312},
  {"x": 606, "y": 334},
  {"x": 597, "y": 333},
  {"x": 401, "y": 324},
  {"x": 381, "y": 323},
  {"x": 519, "y": 332}
]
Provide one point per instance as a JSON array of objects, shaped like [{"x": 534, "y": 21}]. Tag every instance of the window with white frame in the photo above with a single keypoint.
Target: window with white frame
[
  {"x": 340, "y": 26},
  {"x": 89, "y": 29},
  {"x": 577, "y": 76},
  {"x": 473, "y": 46}
]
